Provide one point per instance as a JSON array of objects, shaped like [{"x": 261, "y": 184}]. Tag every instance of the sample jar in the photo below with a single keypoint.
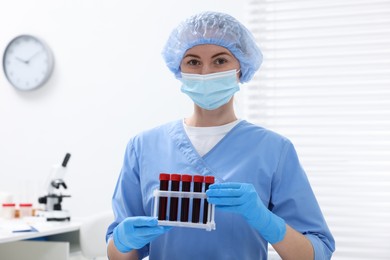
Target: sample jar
[
  {"x": 162, "y": 208},
  {"x": 8, "y": 210},
  {"x": 25, "y": 210},
  {"x": 198, "y": 183},
  {"x": 174, "y": 202}
]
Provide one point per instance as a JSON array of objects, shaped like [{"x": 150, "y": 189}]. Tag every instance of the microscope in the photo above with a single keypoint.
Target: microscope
[{"x": 53, "y": 208}]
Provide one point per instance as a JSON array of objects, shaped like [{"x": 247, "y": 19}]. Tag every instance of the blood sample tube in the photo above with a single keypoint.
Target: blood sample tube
[
  {"x": 185, "y": 202},
  {"x": 162, "y": 204},
  {"x": 208, "y": 180},
  {"x": 198, "y": 181},
  {"x": 175, "y": 184}
]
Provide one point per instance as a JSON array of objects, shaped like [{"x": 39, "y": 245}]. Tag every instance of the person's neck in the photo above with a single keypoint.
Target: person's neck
[{"x": 207, "y": 118}]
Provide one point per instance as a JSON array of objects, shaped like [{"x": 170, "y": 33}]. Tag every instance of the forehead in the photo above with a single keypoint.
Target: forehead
[{"x": 207, "y": 50}]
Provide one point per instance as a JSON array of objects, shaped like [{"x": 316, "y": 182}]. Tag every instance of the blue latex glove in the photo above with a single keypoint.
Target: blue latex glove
[
  {"x": 136, "y": 232},
  {"x": 243, "y": 199}
]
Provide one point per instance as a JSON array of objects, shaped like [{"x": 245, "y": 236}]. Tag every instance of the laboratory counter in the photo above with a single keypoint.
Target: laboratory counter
[{"x": 34, "y": 238}]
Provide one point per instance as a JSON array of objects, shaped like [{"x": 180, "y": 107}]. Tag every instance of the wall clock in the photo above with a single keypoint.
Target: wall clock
[{"x": 27, "y": 62}]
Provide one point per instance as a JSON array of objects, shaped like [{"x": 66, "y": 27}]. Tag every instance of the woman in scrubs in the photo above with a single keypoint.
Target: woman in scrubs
[{"x": 262, "y": 194}]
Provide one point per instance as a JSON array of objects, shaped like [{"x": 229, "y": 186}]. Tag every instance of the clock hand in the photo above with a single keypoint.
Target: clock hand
[
  {"x": 35, "y": 54},
  {"x": 24, "y": 61}
]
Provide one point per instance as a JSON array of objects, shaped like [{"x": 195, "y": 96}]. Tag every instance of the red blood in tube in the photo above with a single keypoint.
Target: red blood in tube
[
  {"x": 162, "y": 205},
  {"x": 198, "y": 181},
  {"x": 185, "y": 202},
  {"x": 208, "y": 180},
  {"x": 175, "y": 184}
]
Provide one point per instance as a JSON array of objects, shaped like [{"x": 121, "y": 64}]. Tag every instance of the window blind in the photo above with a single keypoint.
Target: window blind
[{"x": 325, "y": 84}]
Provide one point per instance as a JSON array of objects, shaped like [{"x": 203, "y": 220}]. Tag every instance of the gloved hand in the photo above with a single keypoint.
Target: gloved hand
[
  {"x": 243, "y": 199},
  {"x": 136, "y": 232}
]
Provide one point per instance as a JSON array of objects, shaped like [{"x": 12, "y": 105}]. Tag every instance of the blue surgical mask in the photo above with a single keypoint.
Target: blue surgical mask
[{"x": 210, "y": 91}]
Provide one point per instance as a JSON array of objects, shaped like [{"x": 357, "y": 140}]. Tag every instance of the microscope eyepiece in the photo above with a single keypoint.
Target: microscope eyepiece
[{"x": 66, "y": 159}]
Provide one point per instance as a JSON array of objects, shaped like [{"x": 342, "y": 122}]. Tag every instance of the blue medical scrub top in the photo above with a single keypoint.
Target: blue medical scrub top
[{"x": 248, "y": 154}]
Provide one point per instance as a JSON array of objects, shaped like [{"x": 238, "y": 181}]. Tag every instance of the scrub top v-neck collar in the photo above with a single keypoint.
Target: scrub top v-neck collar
[
  {"x": 203, "y": 139},
  {"x": 184, "y": 144}
]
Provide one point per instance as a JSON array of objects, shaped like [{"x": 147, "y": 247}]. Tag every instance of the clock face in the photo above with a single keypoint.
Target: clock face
[{"x": 27, "y": 62}]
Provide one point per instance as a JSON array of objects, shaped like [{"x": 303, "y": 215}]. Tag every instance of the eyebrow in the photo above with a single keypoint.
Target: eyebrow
[
  {"x": 221, "y": 53},
  {"x": 192, "y": 55},
  {"x": 215, "y": 55}
]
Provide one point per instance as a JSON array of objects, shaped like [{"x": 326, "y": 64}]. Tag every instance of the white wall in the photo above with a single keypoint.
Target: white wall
[{"x": 108, "y": 84}]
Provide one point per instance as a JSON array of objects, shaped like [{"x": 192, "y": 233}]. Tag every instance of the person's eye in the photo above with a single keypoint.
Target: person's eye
[
  {"x": 193, "y": 62},
  {"x": 220, "y": 61}
]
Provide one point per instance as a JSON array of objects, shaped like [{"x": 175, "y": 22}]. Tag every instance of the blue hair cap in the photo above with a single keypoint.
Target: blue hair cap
[{"x": 218, "y": 29}]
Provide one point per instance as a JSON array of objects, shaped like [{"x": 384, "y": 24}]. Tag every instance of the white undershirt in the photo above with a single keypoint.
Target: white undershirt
[{"x": 205, "y": 138}]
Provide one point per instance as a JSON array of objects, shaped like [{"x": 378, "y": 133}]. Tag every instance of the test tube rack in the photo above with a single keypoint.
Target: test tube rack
[{"x": 170, "y": 198}]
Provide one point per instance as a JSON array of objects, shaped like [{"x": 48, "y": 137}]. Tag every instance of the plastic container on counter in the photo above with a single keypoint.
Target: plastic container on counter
[
  {"x": 25, "y": 210},
  {"x": 8, "y": 210}
]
